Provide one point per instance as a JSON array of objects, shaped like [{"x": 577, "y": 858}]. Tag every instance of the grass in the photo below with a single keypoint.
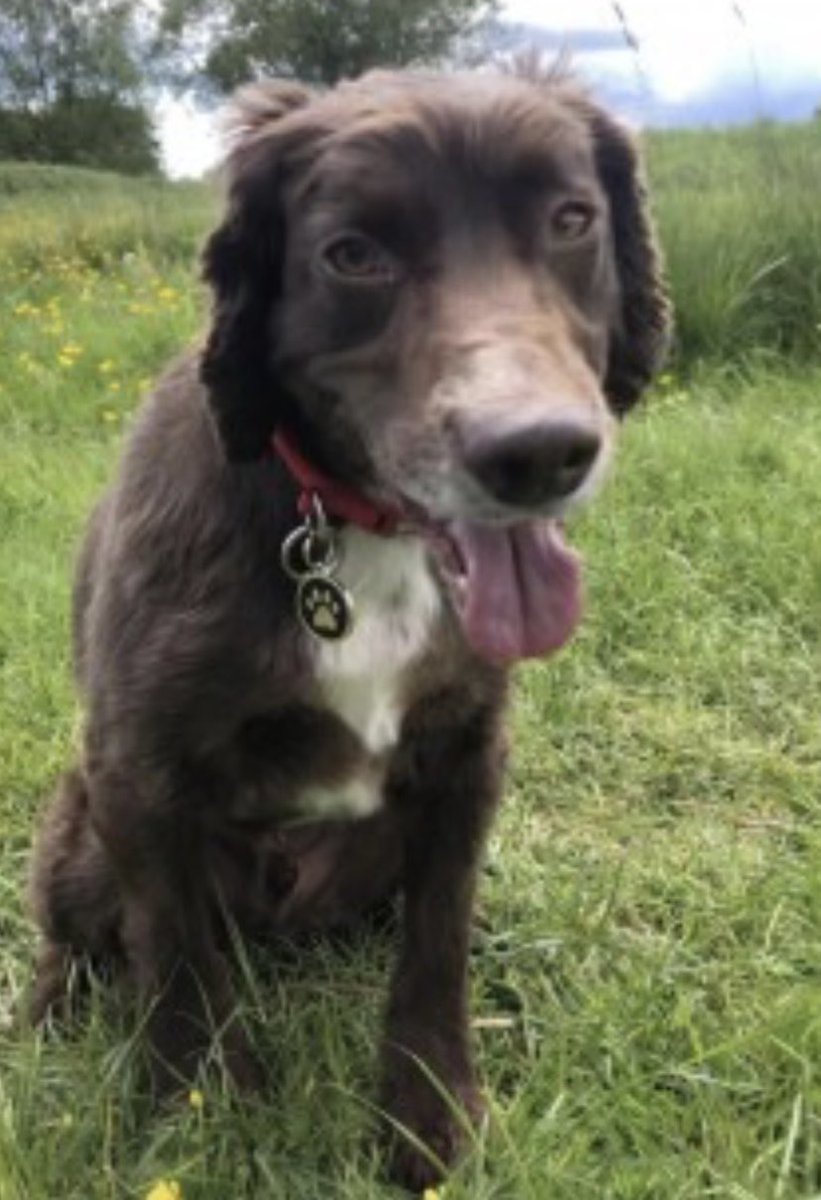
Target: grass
[
  {"x": 741, "y": 230},
  {"x": 648, "y": 975},
  {"x": 96, "y": 219}
]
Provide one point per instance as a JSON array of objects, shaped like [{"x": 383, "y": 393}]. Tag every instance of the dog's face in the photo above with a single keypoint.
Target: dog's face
[
  {"x": 449, "y": 284},
  {"x": 446, "y": 286}
]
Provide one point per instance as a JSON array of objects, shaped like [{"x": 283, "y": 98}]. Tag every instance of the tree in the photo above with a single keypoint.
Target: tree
[
  {"x": 90, "y": 132},
  {"x": 318, "y": 41},
  {"x": 71, "y": 83}
]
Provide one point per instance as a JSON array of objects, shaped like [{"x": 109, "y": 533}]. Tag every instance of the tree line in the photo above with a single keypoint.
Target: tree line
[{"x": 79, "y": 78}]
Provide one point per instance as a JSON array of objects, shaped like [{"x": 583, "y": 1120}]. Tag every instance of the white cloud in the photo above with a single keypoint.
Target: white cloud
[
  {"x": 686, "y": 47},
  {"x": 562, "y": 14}
]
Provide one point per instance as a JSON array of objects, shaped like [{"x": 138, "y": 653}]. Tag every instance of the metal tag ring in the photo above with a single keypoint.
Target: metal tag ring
[
  {"x": 305, "y": 552},
  {"x": 319, "y": 551}
]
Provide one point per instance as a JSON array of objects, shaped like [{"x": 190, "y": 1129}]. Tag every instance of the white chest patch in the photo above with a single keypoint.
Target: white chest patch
[{"x": 396, "y": 603}]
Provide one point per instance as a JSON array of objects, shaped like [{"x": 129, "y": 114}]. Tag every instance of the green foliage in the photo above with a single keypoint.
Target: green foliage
[
  {"x": 57, "y": 184},
  {"x": 319, "y": 41},
  {"x": 71, "y": 79},
  {"x": 94, "y": 131},
  {"x": 741, "y": 228},
  {"x": 98, "y": 219},
  {"x": 62, "y": 49}
]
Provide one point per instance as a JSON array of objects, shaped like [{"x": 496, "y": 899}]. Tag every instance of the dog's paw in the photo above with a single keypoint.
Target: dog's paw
[{"x": 427, "y": 1132}]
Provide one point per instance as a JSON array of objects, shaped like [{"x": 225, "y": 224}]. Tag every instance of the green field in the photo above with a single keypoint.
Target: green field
[{"x": 647, "y": 978}]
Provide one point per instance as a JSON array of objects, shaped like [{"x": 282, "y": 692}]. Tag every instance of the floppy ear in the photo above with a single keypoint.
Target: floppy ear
[
  {"x": 242, "y": 262},
  {"x": 641, "y": 332},
  {"x": 642, "y": 325}
]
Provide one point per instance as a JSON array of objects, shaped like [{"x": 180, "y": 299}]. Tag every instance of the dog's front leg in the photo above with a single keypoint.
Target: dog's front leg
[
  {"x": 449, "y": 790},
  {"x": 150, "y": 827}
]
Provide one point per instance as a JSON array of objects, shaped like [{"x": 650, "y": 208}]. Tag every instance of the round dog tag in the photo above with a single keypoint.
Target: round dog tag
[{"x": 325, "y": 608}]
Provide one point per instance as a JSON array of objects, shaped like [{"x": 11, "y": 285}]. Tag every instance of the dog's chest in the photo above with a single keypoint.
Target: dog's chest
[{"x": 363, "y": 679}]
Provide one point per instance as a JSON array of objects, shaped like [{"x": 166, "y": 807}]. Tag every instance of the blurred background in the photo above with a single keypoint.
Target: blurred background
[
  {"x": 149, "y": 74},
  {"x": 706, "y": 62}
]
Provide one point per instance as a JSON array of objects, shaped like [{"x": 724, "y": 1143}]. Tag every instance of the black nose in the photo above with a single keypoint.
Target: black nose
[{"x": 529, "y": 465}]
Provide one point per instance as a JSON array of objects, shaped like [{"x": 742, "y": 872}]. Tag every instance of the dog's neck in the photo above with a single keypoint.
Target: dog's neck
[{"x": 338, "y": 500}]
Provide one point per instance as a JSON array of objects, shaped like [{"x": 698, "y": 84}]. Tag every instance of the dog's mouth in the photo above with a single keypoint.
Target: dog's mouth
[
  {"x": 515, "y": 584},
  {"x": 516, "y": 588}
]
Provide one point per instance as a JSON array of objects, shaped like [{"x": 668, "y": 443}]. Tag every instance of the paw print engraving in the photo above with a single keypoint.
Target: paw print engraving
[{"x": 325, "y": 608}]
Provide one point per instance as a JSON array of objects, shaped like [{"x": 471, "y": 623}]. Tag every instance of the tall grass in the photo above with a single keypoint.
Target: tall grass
[
  {"x": 739, "y": 213},
  {"x": 96, "y": 218}
]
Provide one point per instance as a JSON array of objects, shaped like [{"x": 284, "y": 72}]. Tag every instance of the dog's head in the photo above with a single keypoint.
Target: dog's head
[{"x": 447, "y": 287}]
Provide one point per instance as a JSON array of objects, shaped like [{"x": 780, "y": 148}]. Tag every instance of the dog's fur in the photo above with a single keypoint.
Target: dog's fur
[{"x": 229, "y": 766}]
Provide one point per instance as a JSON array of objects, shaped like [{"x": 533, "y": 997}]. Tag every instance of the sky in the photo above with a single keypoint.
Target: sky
[{"x": 684, "y": 50}]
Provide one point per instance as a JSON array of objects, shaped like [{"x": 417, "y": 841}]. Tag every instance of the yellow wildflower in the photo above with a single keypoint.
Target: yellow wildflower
[
  {"x": 431, "y": 1194},
  {"x": 196, "y": 1099},
  {"x": 106, "y": 366},
  {"x": 164, "y": 1189}
]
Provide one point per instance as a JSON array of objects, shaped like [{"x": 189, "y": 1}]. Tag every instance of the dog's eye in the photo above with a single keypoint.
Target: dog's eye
[
  {"x": 572, "y": 219},
  {"x": 356, "y": 257}
]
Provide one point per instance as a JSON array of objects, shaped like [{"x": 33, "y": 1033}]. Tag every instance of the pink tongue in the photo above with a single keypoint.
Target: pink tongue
[{"x": 521, "y": 594}]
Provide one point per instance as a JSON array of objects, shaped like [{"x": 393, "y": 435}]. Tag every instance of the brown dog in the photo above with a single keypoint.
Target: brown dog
[{"x": 436, "y": 292}]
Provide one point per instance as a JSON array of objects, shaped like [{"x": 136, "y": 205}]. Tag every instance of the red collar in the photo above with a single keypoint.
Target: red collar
[{"x": 337, "y": 500}]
